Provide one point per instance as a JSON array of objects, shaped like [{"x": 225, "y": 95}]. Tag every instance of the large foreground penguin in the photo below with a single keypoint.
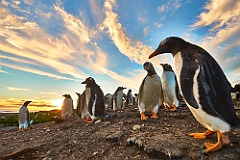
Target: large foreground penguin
[
  {"x": 204, "y": 88},
  {"x": 150, "y": 95},
  {"x": 24, "y": 116},
  {"x": 94, "y": 99}
]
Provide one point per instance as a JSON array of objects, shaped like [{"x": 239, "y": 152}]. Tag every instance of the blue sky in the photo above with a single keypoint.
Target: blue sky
[{"x": 47, "y": 48}]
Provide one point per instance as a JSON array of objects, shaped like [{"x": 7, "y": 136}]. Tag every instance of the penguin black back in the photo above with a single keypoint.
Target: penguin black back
[{"x": 97, "y": 94}]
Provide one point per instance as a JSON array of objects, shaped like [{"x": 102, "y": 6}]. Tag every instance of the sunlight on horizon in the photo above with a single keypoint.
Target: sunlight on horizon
[
  {"x": 57, "y": 103},
  {"x": 13, "y": 105}
]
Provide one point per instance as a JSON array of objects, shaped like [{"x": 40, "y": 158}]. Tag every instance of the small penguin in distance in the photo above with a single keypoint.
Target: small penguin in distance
[
  {"x": 150, "y": 95},
  {"x": 24, "y": 117},
  {"x": 67, "y": 106},
  {"x": 129, "y": 98},
  {"x": 204, "y": 88},
  {"x": 117, "y": 99},
  {"x": 94, "y": 99},
  {"x": 108, "y": 100},
  {"x": 170, "y": 88}
]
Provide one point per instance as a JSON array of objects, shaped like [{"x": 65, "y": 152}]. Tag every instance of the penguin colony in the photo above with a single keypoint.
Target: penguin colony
[{"x": 200, "y": 80}]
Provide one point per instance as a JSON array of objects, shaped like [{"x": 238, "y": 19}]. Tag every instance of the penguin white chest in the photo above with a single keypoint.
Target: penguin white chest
[
  {"x": 88, "y": 94},
  {"x": 151, "y": 91},
  {"x": 169, "y": 88}
]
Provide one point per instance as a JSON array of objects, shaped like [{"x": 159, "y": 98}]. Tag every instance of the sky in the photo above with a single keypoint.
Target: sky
[{"x": 48, "y": 47}]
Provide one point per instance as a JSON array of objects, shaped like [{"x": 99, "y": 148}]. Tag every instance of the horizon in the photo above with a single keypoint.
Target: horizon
[{"x": 48, "y": 48}]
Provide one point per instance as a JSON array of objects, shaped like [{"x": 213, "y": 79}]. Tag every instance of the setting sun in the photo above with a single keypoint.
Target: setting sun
[{"x": 57, "y": 103}]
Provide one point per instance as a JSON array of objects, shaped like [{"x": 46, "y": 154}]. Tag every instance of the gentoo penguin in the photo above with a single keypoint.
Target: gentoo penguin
[
  {"x": 170, "y": 88},
  {"x": 135, "y": 98},
  {"x": 94, "y": 99},
  {"x": 117, "y": 99},
  {"x": 204, "y": 88},
  {"x": 67, "y": 106},
  {"x": 24, "y": 117},
  {"x": 150, "y": 95},
  {"x": 108, "y": 100},
  {"x": 79, "y": 103},
  {"x": 129, "y": 98},
  {"x": 82, "y": 108}
]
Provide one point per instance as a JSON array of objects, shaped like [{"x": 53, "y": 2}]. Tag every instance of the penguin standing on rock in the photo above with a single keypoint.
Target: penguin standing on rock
[
  {"x": 150, "y": 95},
  {"x": 204, "y": 88},
  {"x": 24, "y": 116},
  {"x": 170, "y": 88},
  {"x": 67, "y": 106},
  {"x": 117, "y": 99},
  {"x": 94, "y": 99}
]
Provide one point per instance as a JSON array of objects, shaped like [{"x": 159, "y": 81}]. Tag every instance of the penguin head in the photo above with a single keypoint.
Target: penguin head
[
  {"x": 166, "y": 67},
  {"x": 26, "y": 103},
  {"x": 148, "y": 66},
  {"x": 121, "y": 88},
  {"x": 169, "y": 45},
  {"x": 66, "y": 95},
  {"x": 89, "y": 81}
]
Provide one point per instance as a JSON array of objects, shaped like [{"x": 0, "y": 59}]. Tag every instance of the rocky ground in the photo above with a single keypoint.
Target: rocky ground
[{"x": 123, "y": 137}]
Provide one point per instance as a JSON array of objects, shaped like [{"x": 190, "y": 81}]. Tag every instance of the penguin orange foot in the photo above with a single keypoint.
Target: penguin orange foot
[
  {"x": 143, "y": 116},
  {"x": 223, "y": 139},
  {"x": 201, "y": 135},
  {"x": 174, "y": 108},
  {"x": 154, "y": 115}
]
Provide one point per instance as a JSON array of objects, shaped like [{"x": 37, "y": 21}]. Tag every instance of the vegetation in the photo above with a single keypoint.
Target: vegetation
[{"x": 11, "y": 119}]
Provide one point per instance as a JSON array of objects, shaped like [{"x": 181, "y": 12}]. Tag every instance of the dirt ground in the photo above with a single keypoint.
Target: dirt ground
[{"x": 123, "y": 137}]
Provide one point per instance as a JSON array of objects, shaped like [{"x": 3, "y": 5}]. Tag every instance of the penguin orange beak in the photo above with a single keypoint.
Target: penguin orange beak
[
  {"x": 155, "y": 53},
  {"x": 84, "y": 82}
]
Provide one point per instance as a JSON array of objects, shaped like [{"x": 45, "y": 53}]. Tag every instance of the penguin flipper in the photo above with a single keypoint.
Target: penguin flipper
[
  {"x": 28, "y": 118},
  {"x": 91, "y": 103},
  {"x": 188, "y": 72},
  {"x": 140, "y": 89},
  {"x": 177, "y": 89}
]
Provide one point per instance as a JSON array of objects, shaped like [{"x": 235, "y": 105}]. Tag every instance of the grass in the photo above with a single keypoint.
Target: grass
[{"x": 11, "y": 119}]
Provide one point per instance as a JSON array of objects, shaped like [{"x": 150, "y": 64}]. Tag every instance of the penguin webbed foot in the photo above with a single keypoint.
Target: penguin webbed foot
[
  {"x": 201, "y": 135},
  {"x": 143, "y": 116},
  {"x": 223, "y": 140},
  {"x": 88, "y": 120},
  {"x": 154, "y": 115},
  {"x": 174, "y": 108}
]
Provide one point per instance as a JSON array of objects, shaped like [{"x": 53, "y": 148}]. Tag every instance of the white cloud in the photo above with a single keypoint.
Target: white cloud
[
  {"x": 146, "y": 30},
  {"x": 135, "y": 50},
  {"x": 18, "y": 89},
  {"x": 35, "y": 71},
  {"x": 158, "y": 25},
  {"x": 161, "y": 8}
]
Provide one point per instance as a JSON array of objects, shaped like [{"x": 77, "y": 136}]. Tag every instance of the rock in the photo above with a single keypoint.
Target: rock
[
  {"x": 136, "y": 127},
  {"x": 115, "y": 136}
]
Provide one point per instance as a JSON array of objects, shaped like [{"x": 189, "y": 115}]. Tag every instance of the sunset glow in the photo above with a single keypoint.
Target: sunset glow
[{"x": 47, "y": 48}]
